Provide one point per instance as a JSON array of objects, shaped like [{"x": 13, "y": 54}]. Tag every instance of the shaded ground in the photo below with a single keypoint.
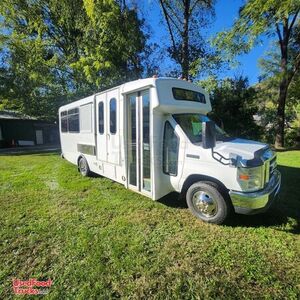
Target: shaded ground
[
  {"x": 30, "y": 149},
  {"x": 95, "y": 239}
]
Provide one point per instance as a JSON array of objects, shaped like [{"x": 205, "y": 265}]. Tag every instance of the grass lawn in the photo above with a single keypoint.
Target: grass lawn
[{"x": 95, "y": 239}]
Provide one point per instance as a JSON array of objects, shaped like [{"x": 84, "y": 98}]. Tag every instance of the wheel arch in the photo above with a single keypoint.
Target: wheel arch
[{"x": 191, "y": 179}]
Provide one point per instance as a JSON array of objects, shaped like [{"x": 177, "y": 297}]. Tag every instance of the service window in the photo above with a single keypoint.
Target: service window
[
  {"x": 101, "y": 117},
  {"x": 64, "y": 121},
  {"x": 113, "y": 115},
  {"x": 73, "y": 120},
  {"x": 170, "y": 150},
  {"x": 188, "y": 95},
  {"x": 86, "y": 118}
]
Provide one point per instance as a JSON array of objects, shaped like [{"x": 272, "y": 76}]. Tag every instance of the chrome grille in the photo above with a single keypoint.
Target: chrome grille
[
  {"x": 273, "y": 165},
  {"x": 270, "y": 164}
]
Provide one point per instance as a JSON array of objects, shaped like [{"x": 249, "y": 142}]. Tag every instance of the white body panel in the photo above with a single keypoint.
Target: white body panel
[{"x": 129, "y": 156}]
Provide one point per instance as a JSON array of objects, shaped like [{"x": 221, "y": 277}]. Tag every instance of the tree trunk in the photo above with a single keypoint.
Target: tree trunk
[
  {"x": 283, "y": 88},
  {"x": 185, "y": 64},
  {"x": 280, "y": 118}
]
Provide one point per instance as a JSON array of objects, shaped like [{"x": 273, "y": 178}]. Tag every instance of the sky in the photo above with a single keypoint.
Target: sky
[{"x": 226, "y": 13}]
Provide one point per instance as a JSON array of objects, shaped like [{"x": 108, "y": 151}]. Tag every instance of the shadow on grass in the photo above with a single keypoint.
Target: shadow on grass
[
  {"x": 286, "y": 206},
  {"x": 288, "y": 149},
  {"x": 173, "y": 200},
  {"x": 31, "y": 152}
]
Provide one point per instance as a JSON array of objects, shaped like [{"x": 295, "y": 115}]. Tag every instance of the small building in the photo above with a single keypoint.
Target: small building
[{"x": 18, "y": 130}]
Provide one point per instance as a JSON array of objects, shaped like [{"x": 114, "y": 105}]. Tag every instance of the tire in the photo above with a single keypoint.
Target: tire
[
  {"x": 83, "y": 167},
  {"x": 207, "y": 203}
]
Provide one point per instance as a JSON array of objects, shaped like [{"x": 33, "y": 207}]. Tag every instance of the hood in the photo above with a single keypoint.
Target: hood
[{"x": 247, "y": 149}]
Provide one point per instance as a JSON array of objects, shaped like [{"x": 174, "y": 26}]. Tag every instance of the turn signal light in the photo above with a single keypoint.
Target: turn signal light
[{"x": 244, "y": 177}]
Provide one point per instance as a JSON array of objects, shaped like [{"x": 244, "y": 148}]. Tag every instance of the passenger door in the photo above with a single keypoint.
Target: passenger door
[
  {"x": 101, "y": 129},
  {"x": 108, "y": 127},
  {"x": 113, "y": 127},
  {"x": 138, "y": 142}
]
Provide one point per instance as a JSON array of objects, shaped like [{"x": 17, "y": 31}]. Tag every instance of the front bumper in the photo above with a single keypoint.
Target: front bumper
[{"x": 257, "y": 202}]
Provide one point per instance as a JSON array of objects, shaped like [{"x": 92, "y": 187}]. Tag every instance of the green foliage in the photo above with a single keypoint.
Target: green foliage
[
  {"x": 268, "y": 96},
  {"x": 257, "y": 17},
  {"x": 233, "y": 106},
  {"x": 59, "y": 50},
  {"x": 270, "y": 18},
  {"x": 266, "y": 99}
]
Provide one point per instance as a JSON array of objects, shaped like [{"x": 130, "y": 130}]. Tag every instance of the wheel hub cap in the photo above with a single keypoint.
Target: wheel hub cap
[
  {"x": 205, "y": 204},
  {"x": 82, "y": 166}
]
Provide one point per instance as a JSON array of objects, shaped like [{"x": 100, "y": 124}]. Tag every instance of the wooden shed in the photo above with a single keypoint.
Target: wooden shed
[{"x": 17, "y": 130}]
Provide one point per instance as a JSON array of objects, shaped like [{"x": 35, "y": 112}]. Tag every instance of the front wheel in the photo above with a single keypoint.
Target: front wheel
[{"x": 207, "y": 203}]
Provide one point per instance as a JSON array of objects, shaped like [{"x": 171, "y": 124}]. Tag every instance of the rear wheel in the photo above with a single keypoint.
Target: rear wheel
[
  {"x": 83, "y": 167},
  {"x": 207, "y": 203}
]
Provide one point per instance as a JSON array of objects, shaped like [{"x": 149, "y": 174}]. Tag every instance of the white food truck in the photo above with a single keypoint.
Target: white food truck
[{"x": 153, "y": 135}]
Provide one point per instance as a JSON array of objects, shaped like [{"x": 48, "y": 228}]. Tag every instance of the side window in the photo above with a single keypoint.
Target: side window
[
  {"x": 73, "y": 120},
  {"x": 86, "y": 119},
  {"x": 64, "y": 121},
  {"x": 101, "y": 117},
  {"x": 170, "y": 150},
  {"x": 113, "y": 116}
]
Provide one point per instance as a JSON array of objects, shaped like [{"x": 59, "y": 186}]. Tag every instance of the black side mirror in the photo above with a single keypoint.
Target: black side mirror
[{"x": 208, "y": 134}]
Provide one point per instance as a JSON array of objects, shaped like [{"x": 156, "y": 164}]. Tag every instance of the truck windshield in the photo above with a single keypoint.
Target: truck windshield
[{"x": 191, "y": 124}]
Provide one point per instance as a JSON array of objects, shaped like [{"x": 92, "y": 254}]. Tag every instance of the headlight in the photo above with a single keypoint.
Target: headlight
[{"x": 250, "y": 179}]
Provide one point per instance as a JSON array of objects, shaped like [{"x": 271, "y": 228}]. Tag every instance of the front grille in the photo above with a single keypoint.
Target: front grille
[
  {"x": 269, "y": 158},
  {"x": 273, "y": 165}
]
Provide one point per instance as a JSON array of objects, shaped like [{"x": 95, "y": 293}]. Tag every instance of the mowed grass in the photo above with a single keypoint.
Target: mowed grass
[{"x": 97, "y": 240}]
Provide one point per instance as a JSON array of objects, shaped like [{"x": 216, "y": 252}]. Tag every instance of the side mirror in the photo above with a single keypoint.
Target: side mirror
[{"x": 208, "y": 134}]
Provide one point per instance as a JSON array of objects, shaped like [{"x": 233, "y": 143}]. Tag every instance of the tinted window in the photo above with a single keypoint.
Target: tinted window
[
  {"x": 170, "y": 150},
  {"x": 64, "y": 121},
  {"x": 73, "y": 123},
  {"x": 188, "y": 95},
  {"x": 73, "y": 111},
  {"x": 146, "y": 142},
  {"x": 191, "y": 124},
  {"x": 73, "y": 120},
  {"x": 113, "y": 116},
  {"x": 132, "y": 147},
  {"x": 101, "y": 117}
]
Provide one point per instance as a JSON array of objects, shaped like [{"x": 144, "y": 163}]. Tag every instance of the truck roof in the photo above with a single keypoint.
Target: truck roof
[{"x": 164, "y": 86}]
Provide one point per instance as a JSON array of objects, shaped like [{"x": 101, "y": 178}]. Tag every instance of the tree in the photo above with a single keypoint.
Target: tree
[
  {"x": 271, "y": 18},
  {"x": 234, "y": 106},
  {"x": 60, "y": 50},
  {"x": 267, "y": 90},
  {"x": 184, "y": 20}
]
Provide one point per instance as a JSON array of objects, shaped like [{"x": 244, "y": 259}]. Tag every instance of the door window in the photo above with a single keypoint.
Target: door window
[
  {"x": 113, "y": 115},
  {"x": 101, "y": 117},
  {"x": 132, "y": 140},
  {"x": 170, "y": 150},
  {"x": 146, "y": 142}
]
